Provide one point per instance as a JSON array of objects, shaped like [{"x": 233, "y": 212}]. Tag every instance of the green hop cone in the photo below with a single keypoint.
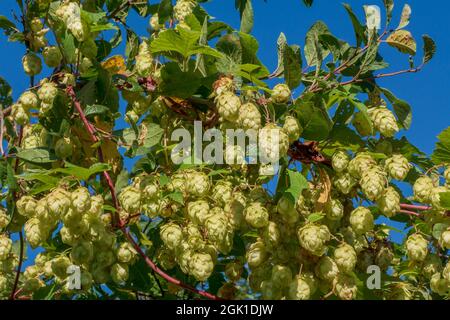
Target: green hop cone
[
  {"x": 335, "y": 210},
  {"x": 223, "y": 84},
  {"x": 360, "y": 164},
  {"x": 59, "y": 266},
  {"x": 345, "y": 286},
  {"x": 389, "y": 202},
  {"x": 398, "y": 167},
  {"x": 5, "y": 247},
  {"x": 130, "y": 199},
  {"x": 52, "y": 56},
  {"x": 64, "y": 148},
  {"x": 4, "y": 218},
  {"x": 447, "y": 175},
  {"x": 431, "y": 265},
  {"x": 435, "y": 196},
  {"x": 287, "y": 209},
  {"x": 373, "y": 183},
  {"x": 154, "y": 22},
  {"x": 172, "y": 235},
  {"x": 361, "y": 220},
  {"x": 198, "y": 184},
  {"x": 126, "y": 253},
  {"x": 198, "y": 211},
  {"x": 222, "y": 192},
  {"x": 384, "y": 121},
  {"x": 326, "y": 269},
  {"x": 36, "y": 25},
  {"x": 81, "y": 200},
  {"x": 29, "y": 100},
  {"x": 47, "y": 92},
  {"x": 4, "y": 283},
  {"x": 144, "y": 60},
  {"x": 228, "y": 106},
  {"x": 313, "y": 238},
  {"x": 256, "y": 215},
  {"x": 281, "y": 93},
  {"x": 82, "y": 252},
  {"x": 271, "y": 235},
  {"x": 58, "y": 202},
  {"x": 444, "y": 239},
  {"x": 416, "y": 247},
  {"x": 217, "y": 225},
  {"x": 32, "y": 64},
  {"x": 439, "y": 285},
  {"x": 340, "y": 161},
  {"x": 345, "y": 258},
  {"x": 35, "y": 232},
  {"x": 299, "y": 289},
  {"x": 256, "y": 254},
  {"x": 281, "y": 276},
  {"x": 20, "y": 114},
  {"x": 119, "y": 273},
  {"x": 292, "y": 128},
  {"x": 422, "y": 189},
  {"x": 384, "y": 258},
  {"x": 273, "y": 142},
  {"x": 183, "y": 8},
  {"x": 201, "y": 266},
  {"x": 446, "y": 272},
  {"x": 249, "y": 117},
  {"x": 344, "y": 182}
]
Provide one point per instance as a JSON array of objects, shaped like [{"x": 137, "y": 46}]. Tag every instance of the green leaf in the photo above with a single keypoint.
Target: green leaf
[
  {"x": 247, "y": 16},
  {"x": 364, "y": 115},
  {"x": 357, "y": 26},
  {"x": 445, "y": 200},
  {"x": 389, "y": 6},
  {"x": 178, "y": 83},
  {"x": 441, "y": 153},
  {"x": 132, "y": 45},
  {"x": 438, "y": 228},
  {"x": 153, "y": 134},
  {"x": 83, "y": 173},
  {"x": 429, "y": 48},
  {"x": 297, "y": 183},
  {"x": 314, "y": 119},
  {"x": 184, "y": 43},
  {"x": 96, "y": 109},
  {"x": 5, "y": 93},
  {"x": 281, "y": 45},
  {"x": 164, "y": 10},
  {"x": 37, "y": 155},
  {"x": 7, "y": 25},
  {"x": 11, "y": 180},
  {"x": 292, "y": 63},
  {"x": 405, "y": 17},
  {"x": 314, "y": 217},
  {"x": 308, "y": 3},
  {"x": 177, "y": 197},
  {"x": 68, "y": 45},
  {"x": 316, "y": 52}
]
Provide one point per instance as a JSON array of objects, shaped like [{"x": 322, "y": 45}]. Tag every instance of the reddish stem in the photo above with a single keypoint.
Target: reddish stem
[
  {"x": 411, "y": 213},
  {"x": 148, "y": 261},
  {"x": 414, "y": 207}
]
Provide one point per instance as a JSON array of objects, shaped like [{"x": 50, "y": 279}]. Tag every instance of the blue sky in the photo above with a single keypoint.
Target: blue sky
[{"x": 427, "y": 91}]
